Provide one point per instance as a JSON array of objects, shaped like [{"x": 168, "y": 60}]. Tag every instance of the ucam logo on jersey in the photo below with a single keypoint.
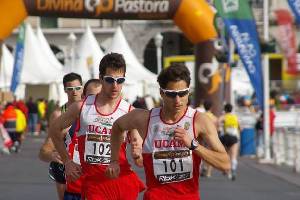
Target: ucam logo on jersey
[
  {"x": 168, "y": 143},
  {"x": 98, "y": 129}
]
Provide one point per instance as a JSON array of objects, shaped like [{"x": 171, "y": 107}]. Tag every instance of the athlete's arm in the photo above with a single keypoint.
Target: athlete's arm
[
  {"x": 216, "y": 155},
  {"x": 206, "y": 130},
  {"x": 73, "y": 171},
  {"x": 136, "y": 119},
  {"x": 47, "y": 151},
  {"x": 136, "y": 146}
]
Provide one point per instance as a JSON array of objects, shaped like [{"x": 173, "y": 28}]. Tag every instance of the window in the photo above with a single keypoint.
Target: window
[{"x": 49, "y": 22}]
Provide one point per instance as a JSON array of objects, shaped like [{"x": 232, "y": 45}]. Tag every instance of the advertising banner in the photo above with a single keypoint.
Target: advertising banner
[
  {"x": 108, "y": 9},
  {"x": 240, "y": 24},
  {"x": 295, "y": 7},
  {"x": 19, "y": 54}
]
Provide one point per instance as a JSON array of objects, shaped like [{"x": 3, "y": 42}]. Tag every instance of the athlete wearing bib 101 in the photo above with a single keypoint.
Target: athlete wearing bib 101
[
  {"x": 94, "y": 150},
  {"x": 172, "y": 170}
]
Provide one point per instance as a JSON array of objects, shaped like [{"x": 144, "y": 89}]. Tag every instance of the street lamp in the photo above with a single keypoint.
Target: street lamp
[
  {"x": 158, "y": 39},
  {"x": 72, "y": 38}
]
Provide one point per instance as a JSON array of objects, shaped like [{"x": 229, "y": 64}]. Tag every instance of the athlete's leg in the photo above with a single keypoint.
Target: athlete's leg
[
  {"x": 209, "y": 170},
  {"x": 233, "y": 152},
  {"x": 71, "y": 196},
  {"x": 60, "y": 188}
]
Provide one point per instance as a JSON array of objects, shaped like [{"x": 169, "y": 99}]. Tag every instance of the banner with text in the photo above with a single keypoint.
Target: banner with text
[
  {"x": 295, "y": 7},
  {"x": 241, "y": 27}
]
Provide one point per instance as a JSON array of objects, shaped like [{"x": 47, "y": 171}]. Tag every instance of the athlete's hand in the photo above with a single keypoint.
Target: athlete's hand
[
  {"x": 136, "y": 153},
  {"x": 72, "y": 170},
  {"x": 56, "y": 157},
  {"x": 181, "y": 135},
  {"x": 113, "y": 170}
]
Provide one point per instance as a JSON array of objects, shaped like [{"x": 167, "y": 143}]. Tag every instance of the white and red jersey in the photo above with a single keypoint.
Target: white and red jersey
[
  {"x": 94, "y": 139},
  {"x": 71, "y": 142},
  {"x": 171, "y": 168}
]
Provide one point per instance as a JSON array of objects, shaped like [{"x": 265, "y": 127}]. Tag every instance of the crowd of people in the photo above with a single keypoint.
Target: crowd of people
[{"x": 18, "y": 118}]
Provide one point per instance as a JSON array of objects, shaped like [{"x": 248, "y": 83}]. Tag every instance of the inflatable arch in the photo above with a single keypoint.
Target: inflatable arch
[{"x": 193, "y": 17}]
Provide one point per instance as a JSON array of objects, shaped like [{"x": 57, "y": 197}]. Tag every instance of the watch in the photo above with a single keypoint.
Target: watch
[{"x": 194, "y": 144}]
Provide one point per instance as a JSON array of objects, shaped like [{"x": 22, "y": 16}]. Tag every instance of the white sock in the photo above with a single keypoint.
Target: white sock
[{"x": 234, "y": 164}]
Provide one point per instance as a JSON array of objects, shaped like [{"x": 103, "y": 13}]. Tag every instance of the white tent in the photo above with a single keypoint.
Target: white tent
[
  {"x": 56, "y": 91},
  {"x": 38, "y": 67},
  {"x": 47, "y": 50},
  {"x": 87, "y": 57},
  {"x": 6, "y": 68},
  {"x": 139, "y": 80},
  {"x": 88, "y": 53},
  {"x": 240, "y": 82}
]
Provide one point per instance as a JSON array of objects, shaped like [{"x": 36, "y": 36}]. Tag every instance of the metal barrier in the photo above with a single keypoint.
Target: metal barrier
[{"x": 286, "y": 140}]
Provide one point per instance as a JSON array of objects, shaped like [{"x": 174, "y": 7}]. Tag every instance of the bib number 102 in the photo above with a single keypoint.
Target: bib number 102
[
  {"x": 173, "y": 165},
  {"x": 101, "y": 149}
]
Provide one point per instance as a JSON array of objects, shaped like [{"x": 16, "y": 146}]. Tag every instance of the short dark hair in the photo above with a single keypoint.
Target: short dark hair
[
  {"x": 94, "y": 80},
  {"x": 207, "y": 105},
  {"x": 175, "y": 72},
  {"x": 228, "y": 108},
  {"x": 71, "y": 77},
  {"x": 112, "y": 60}
]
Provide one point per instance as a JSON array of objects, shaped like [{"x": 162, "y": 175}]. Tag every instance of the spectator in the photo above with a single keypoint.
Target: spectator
[
  {"x": 42, "y": 123},
  {"x": 139, "y": 103},
  {"x": 20, "y": 127},
  {"x": 22, "y": 106},
  {"x": 5, "y": 141},
  {"x": 32, "y": 116},
  {"x": 260, "y": 136},
  {"x": 9, "y": 117},
  {"x": 272, "y": 120}
]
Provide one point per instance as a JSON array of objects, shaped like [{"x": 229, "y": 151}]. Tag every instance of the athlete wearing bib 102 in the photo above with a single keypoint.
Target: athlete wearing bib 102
[
  {"x": 172, "y": 170},
  {"x": 94, "y": 150}
]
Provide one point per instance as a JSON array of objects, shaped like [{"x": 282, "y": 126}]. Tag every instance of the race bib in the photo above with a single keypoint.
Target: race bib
[
  {"x": 97, "y": 149},
  {"x": 172, "y": 166}
]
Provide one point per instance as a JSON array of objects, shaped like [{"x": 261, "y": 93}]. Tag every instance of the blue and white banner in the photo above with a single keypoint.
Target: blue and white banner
[
  {"x": 295, "y": 7},
  {"x": 19, "y": 54},
  {"x": 240, "y": 24},
  {"x": 244, "y": 34}
]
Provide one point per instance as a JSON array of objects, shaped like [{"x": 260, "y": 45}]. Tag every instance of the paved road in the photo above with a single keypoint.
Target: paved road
[{"x": 23, "y": 176}]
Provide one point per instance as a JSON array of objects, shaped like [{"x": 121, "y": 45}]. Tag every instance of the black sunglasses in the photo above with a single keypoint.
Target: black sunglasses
[
  {"x": 111, "y": 80},
  {"x": 174, "y": 93}
]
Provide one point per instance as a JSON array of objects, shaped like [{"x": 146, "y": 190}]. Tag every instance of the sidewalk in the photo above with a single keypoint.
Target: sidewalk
[
  {"x": 254, "y": 182},
  {"x": 280, "y": 171}
]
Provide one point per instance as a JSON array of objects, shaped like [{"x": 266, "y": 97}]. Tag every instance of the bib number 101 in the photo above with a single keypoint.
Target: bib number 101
[
  {"x": 173, "y": 165},
  {"x": 102, "y": 149}
]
